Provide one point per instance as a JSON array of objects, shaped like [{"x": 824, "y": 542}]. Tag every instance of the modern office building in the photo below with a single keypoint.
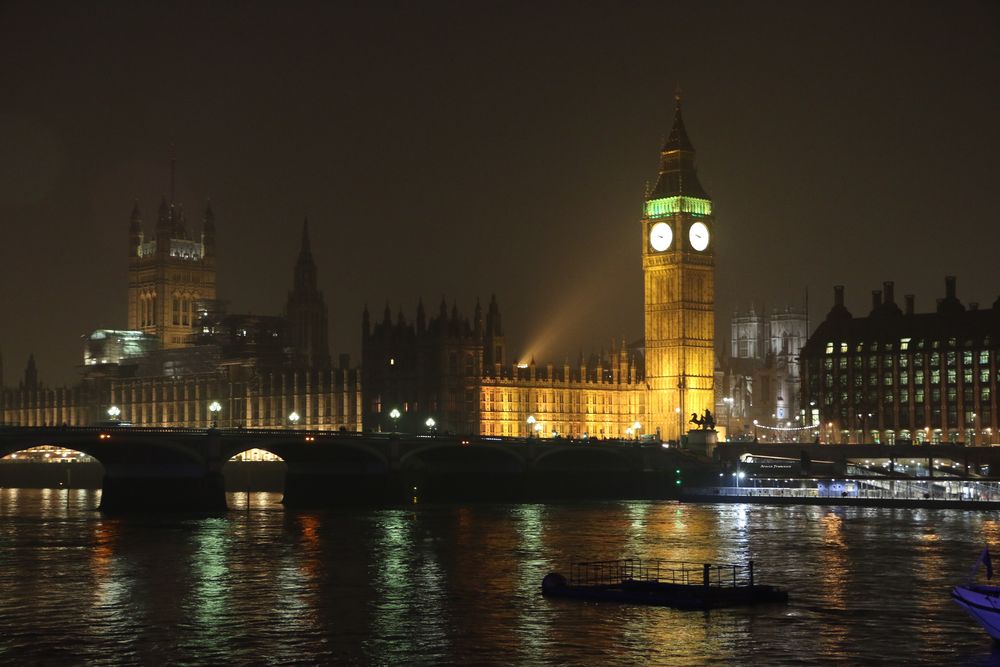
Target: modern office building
[{"x": 896, "y": 374}]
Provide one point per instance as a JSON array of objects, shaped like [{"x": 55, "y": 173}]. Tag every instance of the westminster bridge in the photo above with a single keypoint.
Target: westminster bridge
[{"x": 181, "y": 469}]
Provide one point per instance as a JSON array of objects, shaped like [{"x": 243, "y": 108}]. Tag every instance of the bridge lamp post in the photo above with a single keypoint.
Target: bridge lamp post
[
  {"x": 113, "y": 412},
  {"x": 294, "y": 418},
  {"x": 215, "y": 408},
  {"x": 636, "y": 427},
  {"x": 538, "y": 430},
  {"x": 430, "y": 424},
  {"x": 628, "y": 432},
  {"x": 531, "y": 424},
  {"x": 755, "y": 430},
  {"x": 394, "y": 416}
]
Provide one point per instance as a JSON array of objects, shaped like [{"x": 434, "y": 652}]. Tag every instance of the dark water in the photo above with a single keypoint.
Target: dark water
[{"x": 460, "y": 584}]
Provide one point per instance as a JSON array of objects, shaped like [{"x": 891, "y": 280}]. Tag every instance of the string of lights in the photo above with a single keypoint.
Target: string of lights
[{"x": 788, "y": 428}]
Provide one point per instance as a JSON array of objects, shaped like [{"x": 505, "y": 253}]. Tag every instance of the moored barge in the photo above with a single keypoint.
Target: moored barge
[{"x": 665, "y": 583}]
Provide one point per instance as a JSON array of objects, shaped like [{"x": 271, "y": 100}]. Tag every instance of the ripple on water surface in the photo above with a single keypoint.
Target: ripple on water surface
[{"x": 461, "y": 584}]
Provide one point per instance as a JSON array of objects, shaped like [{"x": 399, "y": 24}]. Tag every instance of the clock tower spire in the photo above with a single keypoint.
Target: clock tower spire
[{"x": 678, "y": 265}]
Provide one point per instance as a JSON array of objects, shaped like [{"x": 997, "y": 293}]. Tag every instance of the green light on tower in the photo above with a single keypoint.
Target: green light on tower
[{"x": 657, "y": 208}]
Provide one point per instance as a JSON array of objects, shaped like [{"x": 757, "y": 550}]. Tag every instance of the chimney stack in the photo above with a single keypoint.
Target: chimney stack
[
  {"x": 838, "y": 295},
  {"x": 876, "y": 299},
  {"x": 890, "y": 298},
  {"x": 949, "y": 287},
  {"x": 909, "y": 304}
]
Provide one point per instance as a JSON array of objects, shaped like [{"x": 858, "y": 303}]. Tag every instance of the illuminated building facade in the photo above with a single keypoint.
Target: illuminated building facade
[
  {"x": 451, "y": 370},
  {"x": 900, "y": 375},
  {"x": 457, "y": 373},
  {"x": 186, "y": 353},
  {"x": 678, "y": 262},
  {"x": 169, "y": 272},
  {"x": 445, "y": 368}
]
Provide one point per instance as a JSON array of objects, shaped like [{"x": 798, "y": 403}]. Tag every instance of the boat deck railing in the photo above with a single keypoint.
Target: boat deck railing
[{"x": 654, "y": 571}]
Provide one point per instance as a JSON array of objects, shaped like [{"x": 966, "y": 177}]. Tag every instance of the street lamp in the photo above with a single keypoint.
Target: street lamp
[
  {"x": 628, "y": 432},
  {"x": 430, "y": 423},
  {"x": 755, "y": 430},
  {"x": 215, "y": 408},
  {"x": 636, "y": 427},
  {"x": 113, "y": 412},
  {"x": 538, "y": 430},
  {"x": 394, "y": 416},
  {"x": 294, "y": 418},
  {"x": 531, "y": 424}
]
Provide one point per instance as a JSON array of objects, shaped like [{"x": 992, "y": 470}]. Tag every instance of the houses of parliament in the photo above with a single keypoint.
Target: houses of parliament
[{"x": 441, "y": 370}]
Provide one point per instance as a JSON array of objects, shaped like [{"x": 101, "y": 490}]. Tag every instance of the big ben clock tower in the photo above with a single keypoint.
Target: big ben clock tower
[{"x": 678, "y": 265}]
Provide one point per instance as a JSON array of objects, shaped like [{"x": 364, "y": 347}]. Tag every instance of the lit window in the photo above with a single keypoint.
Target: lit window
[{"x": 904, "y": 343}]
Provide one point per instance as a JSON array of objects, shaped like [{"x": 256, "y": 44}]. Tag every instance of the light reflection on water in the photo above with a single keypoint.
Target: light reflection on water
[{"x": 460, "y": 584}]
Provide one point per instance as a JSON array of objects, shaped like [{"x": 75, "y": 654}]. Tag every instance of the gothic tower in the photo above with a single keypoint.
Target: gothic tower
[
  {"x": 305, "y": 312},
  {"x": 169, "y": 272},
  {"x": 678, "y": 266}
]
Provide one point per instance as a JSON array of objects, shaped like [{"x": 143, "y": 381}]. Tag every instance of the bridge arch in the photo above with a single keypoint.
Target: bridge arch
[
  {"x": 463, "y": 454},
  {"x": 48, "y": 454},
  {"x": 299, "y": 452},
  {"x": 584, "y": 458}
]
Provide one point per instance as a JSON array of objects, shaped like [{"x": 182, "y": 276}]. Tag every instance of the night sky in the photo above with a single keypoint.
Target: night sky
[{"x": 469, "y": 148}]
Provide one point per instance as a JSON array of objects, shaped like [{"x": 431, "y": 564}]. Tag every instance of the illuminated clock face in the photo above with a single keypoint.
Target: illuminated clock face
[
  {"x": 660, "y": 236},
  {"x": 698, "y": 236}
]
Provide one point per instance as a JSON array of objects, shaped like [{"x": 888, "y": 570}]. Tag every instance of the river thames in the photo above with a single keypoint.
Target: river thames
[{"x": 460, "y": 584}]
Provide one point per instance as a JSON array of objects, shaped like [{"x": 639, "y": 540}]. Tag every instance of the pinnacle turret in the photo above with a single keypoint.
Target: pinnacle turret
[
  {"x": 208, "y": 229},
  {"x": 678, "y": 138},
  {"x": 305, "y": 267},
  {"x": 677, "y": 172},
  {"x": 135, "y": 220}
]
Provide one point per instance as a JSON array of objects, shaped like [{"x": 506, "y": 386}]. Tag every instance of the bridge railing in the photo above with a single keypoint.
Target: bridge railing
[{"x": 357, "y": 435}]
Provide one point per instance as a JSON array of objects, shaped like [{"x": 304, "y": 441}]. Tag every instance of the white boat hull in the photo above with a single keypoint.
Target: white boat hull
[{"x": 981, "y": 603}]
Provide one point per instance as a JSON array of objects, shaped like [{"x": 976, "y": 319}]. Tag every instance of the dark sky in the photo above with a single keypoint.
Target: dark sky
[{"x": 466, "y": 148}]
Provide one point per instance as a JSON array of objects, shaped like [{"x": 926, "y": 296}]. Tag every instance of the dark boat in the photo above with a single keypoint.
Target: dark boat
[
  {"x": 664, "y": 583},
  {"x": 981, "y": 601}
]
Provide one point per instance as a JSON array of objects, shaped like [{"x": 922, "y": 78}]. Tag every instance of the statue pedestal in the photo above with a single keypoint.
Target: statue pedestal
[{"x": 702, "y": 442}]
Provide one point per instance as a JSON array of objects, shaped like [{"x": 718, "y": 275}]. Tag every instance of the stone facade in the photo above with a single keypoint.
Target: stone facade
[
  {"x": 446, "y": 368},
  {"x": 260, "y": 369},
  {"x": 455, "y": 371}
]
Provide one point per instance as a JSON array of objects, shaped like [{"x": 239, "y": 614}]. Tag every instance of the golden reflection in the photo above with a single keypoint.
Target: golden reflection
[
  {"x": 833, "y": 560},
  {"x": 102, "y": 552},
  {"x": 929, "y": 563},
  {"x": 109, "y": 590},
  {"x": 309, "y": 530},
  {"x": 990, "y": 531},
  {"x": 833, "y": 571}
]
